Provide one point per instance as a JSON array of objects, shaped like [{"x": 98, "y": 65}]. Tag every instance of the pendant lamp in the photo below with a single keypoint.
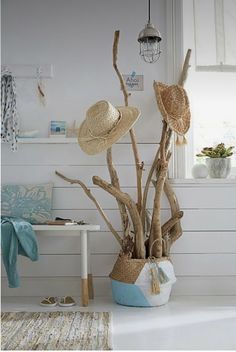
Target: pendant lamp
[{"x": 149, "y": 40}]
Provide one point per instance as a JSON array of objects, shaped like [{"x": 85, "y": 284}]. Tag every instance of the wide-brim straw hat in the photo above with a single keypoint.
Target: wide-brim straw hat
[
  {"x": 104, "y": 125},
  {"x": 173, "y": 103}
]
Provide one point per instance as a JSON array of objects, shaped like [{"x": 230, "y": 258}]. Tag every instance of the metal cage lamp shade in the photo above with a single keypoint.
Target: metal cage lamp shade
[{"x": 149, "y": 39}]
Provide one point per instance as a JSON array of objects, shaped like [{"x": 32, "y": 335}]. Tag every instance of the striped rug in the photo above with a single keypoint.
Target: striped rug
[{"x": 56, "y": 331}]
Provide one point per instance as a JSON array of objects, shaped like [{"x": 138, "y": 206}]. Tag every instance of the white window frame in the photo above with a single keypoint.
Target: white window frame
[
  {"x": 180, "y": 164},
  {"x": 175, "y": 57}
]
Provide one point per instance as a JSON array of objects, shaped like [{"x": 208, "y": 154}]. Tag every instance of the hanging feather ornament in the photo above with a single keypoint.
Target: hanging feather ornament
[{"x": 40, "y": 88}]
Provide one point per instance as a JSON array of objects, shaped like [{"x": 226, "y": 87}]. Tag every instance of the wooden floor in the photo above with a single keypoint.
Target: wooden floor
[{"x": 186, "y": 323}]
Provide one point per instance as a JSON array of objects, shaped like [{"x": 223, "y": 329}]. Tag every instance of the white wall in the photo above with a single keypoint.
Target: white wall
[
  {"x": 41, "y": 31},
  {"x": 76, "y": 36}
]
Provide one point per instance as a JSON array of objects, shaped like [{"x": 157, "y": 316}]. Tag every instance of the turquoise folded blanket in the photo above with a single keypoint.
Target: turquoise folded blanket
[{"x": 17, "y": 237}]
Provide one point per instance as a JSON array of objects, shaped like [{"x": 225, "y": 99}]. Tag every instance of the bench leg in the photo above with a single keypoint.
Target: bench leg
[
  {"x": 84, "y": 268},
  {"x": 90, "y": 286},
  {"x": 90, "y": 276}
]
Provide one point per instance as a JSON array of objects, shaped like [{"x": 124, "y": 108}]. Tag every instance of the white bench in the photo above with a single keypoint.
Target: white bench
[{"x": 83, "y": 232}]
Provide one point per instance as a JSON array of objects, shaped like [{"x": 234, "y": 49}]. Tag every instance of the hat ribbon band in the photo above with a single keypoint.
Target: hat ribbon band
[{"x": 104, "y": 136}]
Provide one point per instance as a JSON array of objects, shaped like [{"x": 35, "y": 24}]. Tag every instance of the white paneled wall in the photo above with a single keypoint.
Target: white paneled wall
[
  {"x": 53, "y": 32},
  {"x": 204, "y": 257}
]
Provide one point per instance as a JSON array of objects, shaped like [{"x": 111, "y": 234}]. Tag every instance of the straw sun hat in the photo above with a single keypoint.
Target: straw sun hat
[
  {"x": 104, "y": 125},
  {"x": 174, "y": 106}
]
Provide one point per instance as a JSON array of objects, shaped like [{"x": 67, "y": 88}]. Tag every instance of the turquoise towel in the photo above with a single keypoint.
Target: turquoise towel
[{"x": 18, "y": 237}]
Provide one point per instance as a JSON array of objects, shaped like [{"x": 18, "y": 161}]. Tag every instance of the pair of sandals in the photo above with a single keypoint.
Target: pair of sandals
[{"x": 66, "y": 301}]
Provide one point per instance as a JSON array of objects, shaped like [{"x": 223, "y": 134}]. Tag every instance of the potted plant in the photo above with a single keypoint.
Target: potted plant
[
  {"x": 143, "y": 274},
  {"x": 217, "y": 160}
]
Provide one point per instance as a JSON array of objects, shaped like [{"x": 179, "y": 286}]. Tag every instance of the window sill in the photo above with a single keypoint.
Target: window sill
[{"x": 204, "y": 182}]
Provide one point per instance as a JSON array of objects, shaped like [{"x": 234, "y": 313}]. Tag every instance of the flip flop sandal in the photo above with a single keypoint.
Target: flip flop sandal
[
  {"x": 49, "y": 302},
  {"x": 66, "y": 301}
]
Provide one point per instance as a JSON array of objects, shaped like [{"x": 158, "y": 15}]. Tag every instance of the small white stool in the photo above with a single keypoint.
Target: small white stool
[{"x": 86, "y": 272}]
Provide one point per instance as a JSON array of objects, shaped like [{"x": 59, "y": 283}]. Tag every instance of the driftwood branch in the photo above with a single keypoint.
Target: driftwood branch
[
  {"x": 130, "y": 204},
  {"x": 184, "y": 73},
  {"x": 171, "y": 222},
  {"x": 138, "y": 163},
  {"x": 160, "y": 164},
  {"x": 150, "y": 174},
  {"x": 176, "y": 231},
  {"x": 155, "y": 240},
  {"x": 139, "y": 168},
  {"x": 147, "y": 185},
  {"x": 89, "y": 194},
  {"x": 116, "y": 183},
  {"x": 115, "y": 53}
]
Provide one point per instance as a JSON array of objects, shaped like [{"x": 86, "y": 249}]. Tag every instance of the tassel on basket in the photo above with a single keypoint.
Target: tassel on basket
[{"x": 155, "y": 284}]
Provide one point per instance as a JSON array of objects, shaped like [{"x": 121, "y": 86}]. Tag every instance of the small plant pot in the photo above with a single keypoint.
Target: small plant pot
[
  {"x": 218, "y": 167},
  {"x": 131, "y": 282}
]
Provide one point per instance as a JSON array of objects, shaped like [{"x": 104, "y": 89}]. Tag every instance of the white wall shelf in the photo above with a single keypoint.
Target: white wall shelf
[
  {"x": 48, "y": 140},
  {"x": 65, "y": 140},
  {"x": 32, "y": 71}
]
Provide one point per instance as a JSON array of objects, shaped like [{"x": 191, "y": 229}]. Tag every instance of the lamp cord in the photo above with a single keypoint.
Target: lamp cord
[{"x": 149, "y": 11}]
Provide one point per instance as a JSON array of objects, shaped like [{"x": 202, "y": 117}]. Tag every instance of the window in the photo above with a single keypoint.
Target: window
[{"x": 209, "y": 29}]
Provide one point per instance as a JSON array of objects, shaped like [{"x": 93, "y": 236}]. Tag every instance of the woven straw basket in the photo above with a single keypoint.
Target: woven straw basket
[{"x": 142, "y": 282}]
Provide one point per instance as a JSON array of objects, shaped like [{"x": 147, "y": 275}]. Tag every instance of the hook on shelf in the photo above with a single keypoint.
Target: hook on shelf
[
  {"x": 40, "y": 86},
  {"x": 5, "y": 70},
  {"x": 39, "y": 72}
]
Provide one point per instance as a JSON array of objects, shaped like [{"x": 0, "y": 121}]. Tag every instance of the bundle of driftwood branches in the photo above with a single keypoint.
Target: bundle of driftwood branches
[{"x": 143, "y": 233}]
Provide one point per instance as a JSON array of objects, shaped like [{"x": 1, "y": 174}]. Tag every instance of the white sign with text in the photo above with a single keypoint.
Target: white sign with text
[{"x": 133, "y": 82}]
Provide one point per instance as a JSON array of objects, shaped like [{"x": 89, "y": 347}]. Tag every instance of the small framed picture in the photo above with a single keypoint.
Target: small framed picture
[{"x": 57, "y": 129}]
